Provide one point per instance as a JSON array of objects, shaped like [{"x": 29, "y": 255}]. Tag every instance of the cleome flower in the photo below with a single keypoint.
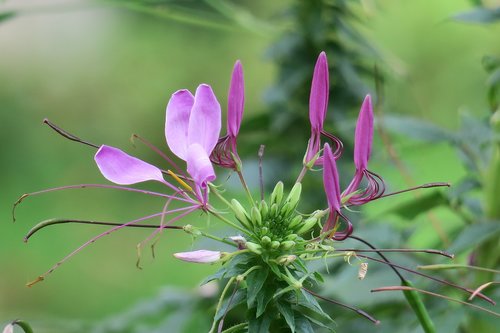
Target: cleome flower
[{"x": 268, "y": 269}]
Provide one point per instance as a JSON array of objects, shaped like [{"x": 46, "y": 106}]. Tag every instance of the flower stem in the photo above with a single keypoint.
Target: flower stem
[
  {"x": 226, "y": 221},
  {"x": 219, "y": 304},
  {"x": 245, "y": 186}
]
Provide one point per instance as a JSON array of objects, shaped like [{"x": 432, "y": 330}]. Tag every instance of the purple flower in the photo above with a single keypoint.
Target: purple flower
[
  {"x": 225, "y": 153},
  {"x": 199, "y": 256},
  {"x": 192, "y": 128},
  {"x": 334, "y": 197},
  {"x": 318, "y": 106},
  {"x": 362, "y": 149}
]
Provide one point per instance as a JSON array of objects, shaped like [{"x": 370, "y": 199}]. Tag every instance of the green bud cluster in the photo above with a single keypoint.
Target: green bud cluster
[{"x": 274, "y": 225}]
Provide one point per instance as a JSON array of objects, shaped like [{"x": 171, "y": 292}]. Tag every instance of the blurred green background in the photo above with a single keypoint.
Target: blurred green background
[{"x": 104, "y": 71}]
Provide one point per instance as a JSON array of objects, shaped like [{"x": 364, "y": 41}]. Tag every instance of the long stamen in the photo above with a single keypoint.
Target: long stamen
[
  {"x": 83, "y": 186},
  {"x": 358, "y": 311},
  {"x": 400, "y": 288},
  {"x": 92, "y": 240},
  {"x": 427, "y": 185},
  {"x": 430, "y": 251},
  {"x": 68, "y": 135},
  {"x": 470, "y": 291}
]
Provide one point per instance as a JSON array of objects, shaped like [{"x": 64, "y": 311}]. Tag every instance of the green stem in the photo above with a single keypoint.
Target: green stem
[
  {"x": 227, "y": 221},
  {"x": 215, "y": 191},
  {"x": 219, "y": 304},
  {"x": 235, "y": 328},
  {"x": 245, "y": 186}
]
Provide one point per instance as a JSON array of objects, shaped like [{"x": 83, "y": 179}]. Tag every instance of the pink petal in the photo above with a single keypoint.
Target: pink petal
[
  {"x": 123, "y": 169},
  {"x": 177, "y": 122},
  {"x": 205, "y": 120},
  {"x": 199, "y": 166},
  {"x": 364, "y": 135},
  {"x": 331, "y": 180},
  {"x": 318, "y": 99},
  {"x": 8, "y": 329},
  {"x": 236, "y": 100},
  {"x": 200, "y": 256}
]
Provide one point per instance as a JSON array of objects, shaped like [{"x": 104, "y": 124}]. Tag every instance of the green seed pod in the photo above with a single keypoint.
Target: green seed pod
[
  {"x": 255, "y": 248},
  {"x": 264, "y": 209},
  {"x": 277, "y": 194},
  {"x": 287, "y": 245},
  {"x": 265, "y": 241},
  {"x": 307, "y": 225},
  {"x": 295, "y": 222},
  {"x": 275, "y": 245},
  {"x": 293, "y": 197},
  {"x": 256, "y": 217},
  {"x": 241, "y": 214}
]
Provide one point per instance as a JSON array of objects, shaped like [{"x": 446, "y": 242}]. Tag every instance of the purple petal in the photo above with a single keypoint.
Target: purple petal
[
  {"x": 177, "y": 122},
  {"x": 205, "y": 119},
  {"x": 364, "y": 135},
  {"x": 123, "y": 169},
  {"x": 199, "y": 166},
  {"x": 200, "y": 256},
  {"x": 331, "y": 180},
  {"x": 8, "y": 329},
  {"x": 236, "y": 100},
  {"x": 318, "y": 100}
]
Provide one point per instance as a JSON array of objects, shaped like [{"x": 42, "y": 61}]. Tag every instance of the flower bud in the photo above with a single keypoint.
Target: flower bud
[
  {"x": 293, "y": 197},
  {"x": 307, "y": 225},
  {"x": 188, "y": 228},
  {"x": 291, "y": 237},
  {"x": 265, "y": 240},
  {"x": 286, "y": 260},
  {"x": 264, "y": 230},
  {"x": 199, "y": 256},
  {"x": 256, "y": 217},
  {"x": 277, "y": 194},
  {"x": 273, "y": 212},
  {"x": 264, "y": 209},
  {"x": 295, "y": 222},
  {"x": 240, "y": 241},
  {"x": 241, "y": 213},
  {"x": 275, "y": 245},
  {"x": 255, "y": 248},
  {"x": 287, "y": 245}
]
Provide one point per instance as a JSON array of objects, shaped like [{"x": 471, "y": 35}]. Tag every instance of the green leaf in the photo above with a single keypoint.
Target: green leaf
[
  {"x": 303, "y": 325},
  {"x": 255, "y": 280},
  {"x": 411, "y": 209},
  {"x": 263, "y": 299},
  {"x": 216, "y": 276},
  {"x": 319, "y": 323},
  {"x": 230, "y": 303},
  {"x": 479, "y": 15},
  {"x": 308, "y": 301},
  {"x": 474, "y": 235},
  {"x": 7, "y": 15},
  {"x": 286, "y": 310},
  {"x": 417, "y": 129},
  {"x": 418, "y": 307},
  {"x": 260, "y": 324},
  {"x": 236, "y": 266}
]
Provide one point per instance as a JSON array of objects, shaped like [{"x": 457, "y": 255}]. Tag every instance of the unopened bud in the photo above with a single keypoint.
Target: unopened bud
[
  {"x": 286, "y": 260},
  {"x": 294, "y": 197},
  {"x": 239, "y": 240},
  {"x": 277, "y": 194},
  {"x": 295, "y": 222},
  {"x": 255, "y": 248},
  {"x": 265, "y": 240},
  {"x": 307, "y": 225},
  {"x": 264, "y": 209},
  {"x": 275, "y": 245},
  {"x": 264, "y": 230},
  {"x": 240, "y": 213},
  {"x": 188, "y": 228},
  {"x": 287, "y": 245},
  {"x": 256, "y": 217},
  {"x": 273, "y": 212},
  {"x": 291, "y": 237}
]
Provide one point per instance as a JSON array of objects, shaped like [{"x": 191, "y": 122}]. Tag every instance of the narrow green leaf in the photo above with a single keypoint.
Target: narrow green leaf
[
  {"x": 418, "y": 307},
  {"x": 303, "y": 325},
  {"x": 260, "y": 324},
  {"x": 286, "y": 310},
  {"x": 474, "y": 235},
  {"x": 263, "y": 299},
  {"x": 255, "y": 280},
  {"x": 216, "y": 276},
  {"x": 479, "y": 15},
  {"x": 411, "y": 209},
  {"x": 228, "y": 304}
]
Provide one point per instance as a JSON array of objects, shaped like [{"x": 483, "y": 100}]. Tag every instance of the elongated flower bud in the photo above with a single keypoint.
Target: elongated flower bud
[
  {"x": 295, "y": 221},
  {"x": 200, "y": 256},
  {"x": 264, "y": 209},
  {"x": 275, "y": 245},
  {"x": 265, "y": 241},
  {"x": 273, "y": 211},
  {"x": 241, "y": 213},
  {"x": 287, "y": 245},
  {"x": 294, "y": 197},
  {"x": 256, "y": 217},
  {"x": 277, "y": 194},
  {"x": 255, "y": 248},
  {"x": 286, "y": 260},
  {"x": 307, "y": 225}
]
